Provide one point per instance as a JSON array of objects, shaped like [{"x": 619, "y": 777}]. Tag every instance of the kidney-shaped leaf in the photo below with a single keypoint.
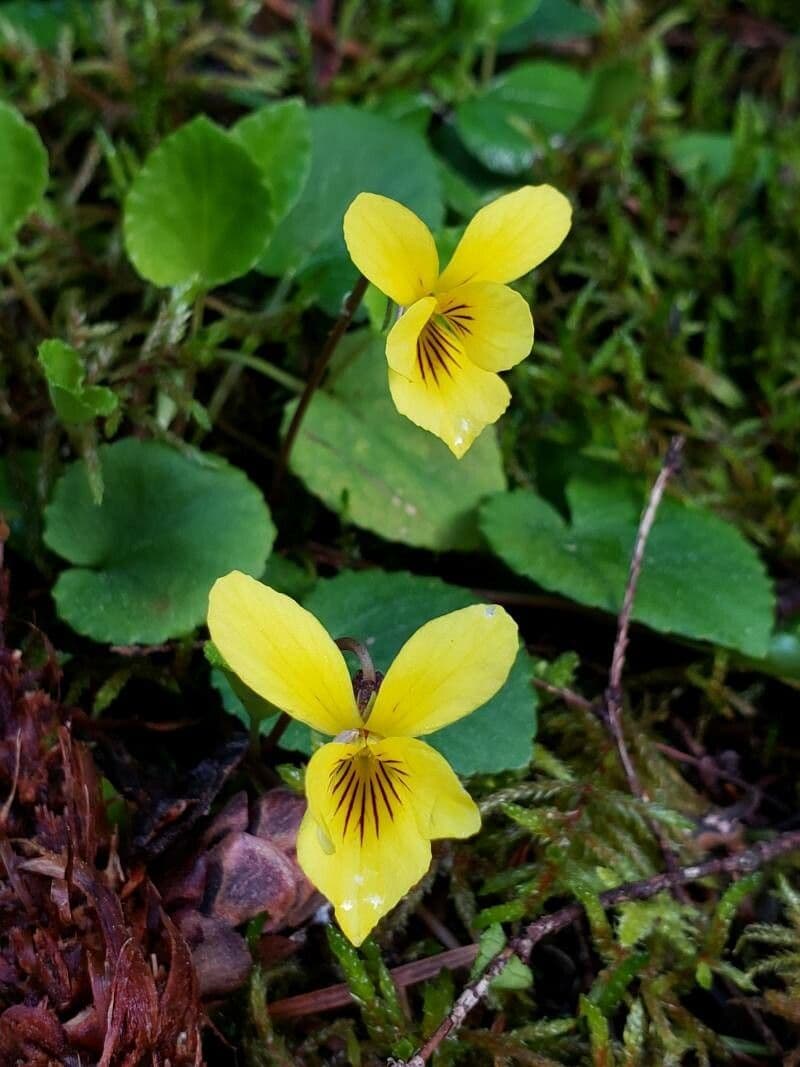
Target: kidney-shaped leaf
[
  {"x": 700, "y": 577},
  {"x": 500, "y": 125},
  {"x": 23, "y": 173},
  {"x": 352, "y": 152},
  {"x": 145, "y": 559},
  {"x": 199, "y": 209},
  {"x": 366, "y": 461},
  {"x": 278, "y": 139}
]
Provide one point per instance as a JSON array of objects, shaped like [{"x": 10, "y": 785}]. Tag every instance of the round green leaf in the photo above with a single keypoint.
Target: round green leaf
[
  {"x": 374, "y": 466},
  {"x": 23, "y": 174},
  {"x": 700, "y": 577},
  {"x": 351, "y": 152},
  {"x": 145, "y": 559},
  {"x": 278, "y": 139},
  {"x": 500, "y": 125},
  {"x": 198, "y": 210}
]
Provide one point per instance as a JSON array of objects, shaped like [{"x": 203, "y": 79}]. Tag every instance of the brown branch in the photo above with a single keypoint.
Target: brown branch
[
  {"x": 334, "y": 337},
  {"x": 523, "y": 945},
  {"x": 338, "y": 996},
  {"x": 611, "y": 711},
  {"x": 613, "y": 695}
]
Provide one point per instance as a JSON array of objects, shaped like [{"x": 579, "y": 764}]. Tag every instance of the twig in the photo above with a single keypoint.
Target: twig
[
  {"x": 612, "y": 704},
  {"x": 613, "y": 695},
  {"x": 26, "y": 295},
  {"x": 338, "y": 996},
  {"x": 333, "y": 339},
  {"x": 570, "y": 698},
  {"x": 524, "y": 944}
]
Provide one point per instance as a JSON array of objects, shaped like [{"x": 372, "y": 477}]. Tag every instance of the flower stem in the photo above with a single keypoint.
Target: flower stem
[{"x": 334, "y": 337}]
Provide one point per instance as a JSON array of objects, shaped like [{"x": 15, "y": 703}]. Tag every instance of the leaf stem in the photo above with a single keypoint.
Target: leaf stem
[{"x": 317, "y": 373}]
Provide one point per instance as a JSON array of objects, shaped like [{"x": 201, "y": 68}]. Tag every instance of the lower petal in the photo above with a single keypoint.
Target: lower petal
[
  {"x": 455, "y": 406},
  {"x": 491, "y": 321},
  {"x": 360, "y": 842}
]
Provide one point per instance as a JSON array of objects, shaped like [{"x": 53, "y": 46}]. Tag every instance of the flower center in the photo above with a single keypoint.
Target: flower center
[
  {"x": 439, "y": 351},
  {"x": 367, "y": 789}
]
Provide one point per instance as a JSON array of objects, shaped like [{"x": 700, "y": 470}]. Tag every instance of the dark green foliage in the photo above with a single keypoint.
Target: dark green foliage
[{"x": 671, "y": 307}]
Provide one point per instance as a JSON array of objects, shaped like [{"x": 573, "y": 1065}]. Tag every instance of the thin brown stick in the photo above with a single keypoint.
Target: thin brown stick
[
  {"x": 334, "y": 337},
  {"x": 522, "y": 946},
  {"x": 338, "y": 996},
  {"x": 611, "y": 711},
  {"x": 613, "y": 695},
  {"x": 570, "y": 698}
]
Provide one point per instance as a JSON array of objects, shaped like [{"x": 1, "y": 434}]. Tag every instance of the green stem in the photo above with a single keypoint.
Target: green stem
[
  {"x": 263, "y": 366},
  {"x": 315, "y": 378}
]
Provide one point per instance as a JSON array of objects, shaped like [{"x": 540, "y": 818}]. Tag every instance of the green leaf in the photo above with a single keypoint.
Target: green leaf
[
  {"x": 74, "y": 401},
  {"x": 278, "y": 139},
  {"x": 700, "y": 578},
  {"x": 515, "y": 974},
  {"x": 352, "y": 151},
  {"x": 43, "y": 21},
  {"x": 699, "y": 157},
  {"x": 706, "y": 160},
  {"x": 145, "y": 559},
  {"x": 553, "y": 20},
  {"x": 198, "y": 210},
  {"x": 533, "y": 101},
  {"x": 383, "y": 609},
  {"x": 380, "y": 471},
  {"x": 23, "y": 175}
]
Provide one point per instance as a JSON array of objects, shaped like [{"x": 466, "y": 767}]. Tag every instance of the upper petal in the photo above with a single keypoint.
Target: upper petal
[
  {"x": 282, "y": 652},
  {"x": 493, "y": 323},
  {"x": 509, "y": 237},
  {"x": 392, "y": 247},
  {"x": 448, "y": 668},
  {"x": 360, "y": 842}
]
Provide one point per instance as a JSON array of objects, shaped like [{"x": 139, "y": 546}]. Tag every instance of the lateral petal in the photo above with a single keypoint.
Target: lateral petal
[
  {"x": 391, "y": 247},
  {"x": 448, "y": 668},
  {"x": 509, "y": 237},
  {"x": 401, "y": 344},
  {"x": 491, "y": 321},
  {"x": 282, "y": 652}
]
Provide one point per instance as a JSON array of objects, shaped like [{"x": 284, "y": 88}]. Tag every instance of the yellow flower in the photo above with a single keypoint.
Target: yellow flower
[
  {"x": 377, "y": 796},
  {"x": 460, "y": 327}
]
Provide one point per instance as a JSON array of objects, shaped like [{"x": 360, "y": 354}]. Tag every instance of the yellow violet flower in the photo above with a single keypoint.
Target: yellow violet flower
[
  {"x": 377, "y": 796},
  {"x": 460, "y": 327}
]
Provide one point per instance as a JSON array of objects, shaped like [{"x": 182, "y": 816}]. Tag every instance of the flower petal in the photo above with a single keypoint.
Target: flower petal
[
  {"x": 509, "y": 237},
  {"x": 448, "y": 668},
  {"x": 392, "y": 247},
  {"x": 442, "y": 805},
  {"x": 493, "y": 323},
  {"x": 282, "y": 652},
  {"x": 401, "y": 344},
  {"x": 456, "y": 404},
  {"x": 360, "y": 842}
]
